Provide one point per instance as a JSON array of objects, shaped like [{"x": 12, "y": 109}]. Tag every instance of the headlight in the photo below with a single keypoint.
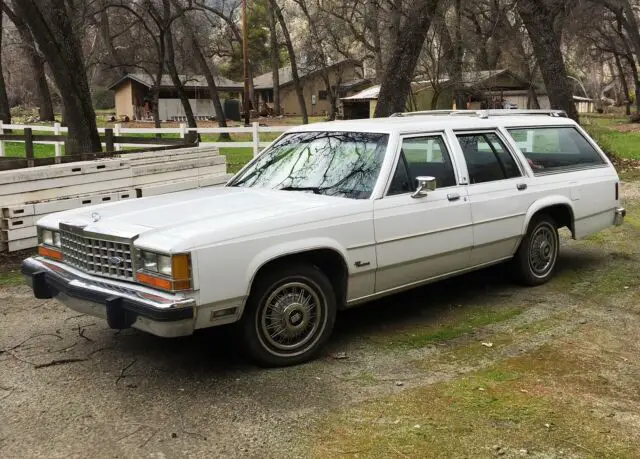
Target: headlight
[
  {"x": 49, "y": 237},
  {"x": 164, "y": 265},
  {"x": 49, "y": 244},
  {"x": 167, "y": 272},
  {"x": 149, "y": 261}
]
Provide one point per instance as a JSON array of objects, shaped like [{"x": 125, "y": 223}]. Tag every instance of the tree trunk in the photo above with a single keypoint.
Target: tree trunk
[
  {"x": 636, "y": 78},
  {"x": 434, "y": 99},
  {"x": 45, "y": 107},
  {"x": 53, "y": 31},
  {"x": 623, "y": 83},
  {"x": 292, "y": 57},
  {"x": 170, "y": 62},
  {"x": 211, "y": 83},
  {"x": 532, "y": 98},
  {"x": 275, "y": 62},
  {"x": 456, "y": 67},
  {"x": 396, "y": 80},
  {"x": 538, "y": 18},
  {"x": 5, "y": 110}
]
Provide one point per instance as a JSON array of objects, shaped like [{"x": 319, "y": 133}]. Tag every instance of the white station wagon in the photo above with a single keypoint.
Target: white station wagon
[{"x": 330, "y": 216}]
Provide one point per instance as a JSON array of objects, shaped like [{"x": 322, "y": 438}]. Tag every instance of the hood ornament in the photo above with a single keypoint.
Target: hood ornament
[{"x": 95, "y": 216}]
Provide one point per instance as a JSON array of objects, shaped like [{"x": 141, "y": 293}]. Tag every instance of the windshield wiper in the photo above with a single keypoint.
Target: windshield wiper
[{"x": 315, "y": 189}]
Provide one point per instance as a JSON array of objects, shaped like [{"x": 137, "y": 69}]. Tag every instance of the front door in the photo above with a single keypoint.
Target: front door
[{"x": 426, "y": 237}]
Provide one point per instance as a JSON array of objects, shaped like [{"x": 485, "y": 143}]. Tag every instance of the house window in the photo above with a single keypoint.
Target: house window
[{"x": 322, "y": 95}]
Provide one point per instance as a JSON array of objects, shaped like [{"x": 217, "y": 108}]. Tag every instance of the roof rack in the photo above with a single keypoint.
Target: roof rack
[{"x": 484, "y": 113}]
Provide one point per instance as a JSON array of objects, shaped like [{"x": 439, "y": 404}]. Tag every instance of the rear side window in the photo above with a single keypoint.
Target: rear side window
[
  {"x": 487, "y": 158},
  {"x": 551, "y": 149}
]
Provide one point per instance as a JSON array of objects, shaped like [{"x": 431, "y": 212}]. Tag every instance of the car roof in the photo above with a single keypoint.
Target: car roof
[{"x": 420, "y": 122}]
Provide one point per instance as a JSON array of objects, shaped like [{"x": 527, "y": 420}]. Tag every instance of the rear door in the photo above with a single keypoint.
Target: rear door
[{"x": 498, "y": 194}]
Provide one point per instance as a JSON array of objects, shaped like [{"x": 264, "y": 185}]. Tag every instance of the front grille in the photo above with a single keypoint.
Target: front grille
[{"x": 102, "y": 257}]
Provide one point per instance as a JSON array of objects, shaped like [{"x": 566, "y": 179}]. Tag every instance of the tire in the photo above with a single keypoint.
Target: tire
[
  {"x": 291, "y": 329},
  {"x": 535, "y": 260}
]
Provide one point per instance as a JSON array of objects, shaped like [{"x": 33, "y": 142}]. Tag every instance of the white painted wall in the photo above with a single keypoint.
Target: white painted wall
[{"x": 169, "y": 108}]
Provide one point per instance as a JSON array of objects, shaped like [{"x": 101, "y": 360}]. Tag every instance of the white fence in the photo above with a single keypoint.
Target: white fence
[{"x": 255, "y": 130}]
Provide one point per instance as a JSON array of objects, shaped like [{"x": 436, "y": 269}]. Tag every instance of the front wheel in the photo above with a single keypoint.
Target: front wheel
[
  {"x": 290, "y": 315},
  {"x": 535, "y": 260}
]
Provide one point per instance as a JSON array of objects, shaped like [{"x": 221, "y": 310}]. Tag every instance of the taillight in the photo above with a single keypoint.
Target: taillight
[{"x": 617, "y": 191}]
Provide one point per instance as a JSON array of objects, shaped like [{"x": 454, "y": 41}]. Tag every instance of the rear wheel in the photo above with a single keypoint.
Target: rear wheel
[
  {"x": 535, "y": 260},
  {"x": 290, "y": 315}
]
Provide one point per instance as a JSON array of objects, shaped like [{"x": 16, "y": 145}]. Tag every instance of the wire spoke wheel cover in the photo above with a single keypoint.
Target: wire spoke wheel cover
[
  {"x": 543, "y": 249},
  {"x": 291, "y": 318}
]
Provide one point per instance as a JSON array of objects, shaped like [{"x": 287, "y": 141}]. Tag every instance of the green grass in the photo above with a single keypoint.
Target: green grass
[
  {"x": 621, "y": 144},
  {"x": 507, "y": 408},
  {"x": 10, "y": 278},
  {"x": 16, "y": 150},
  {"x": 456, "y": 323}
]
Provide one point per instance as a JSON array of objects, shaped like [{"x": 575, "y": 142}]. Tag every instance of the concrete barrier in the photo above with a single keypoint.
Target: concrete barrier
[{"x": 27, "y": 195}]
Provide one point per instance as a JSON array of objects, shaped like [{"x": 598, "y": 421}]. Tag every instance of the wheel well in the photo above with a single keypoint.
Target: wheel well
[
  {"x": 328, "y": 261},
  {"x": 561, "y": 214}
]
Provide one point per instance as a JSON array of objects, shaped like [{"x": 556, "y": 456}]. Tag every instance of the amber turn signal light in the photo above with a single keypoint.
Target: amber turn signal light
[{"x": 50, "y": 253}]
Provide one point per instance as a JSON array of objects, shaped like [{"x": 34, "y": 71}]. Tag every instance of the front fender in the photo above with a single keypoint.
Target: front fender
[
  {"x": 543, "y": 203},
  {"x": 290, "y": 248}
]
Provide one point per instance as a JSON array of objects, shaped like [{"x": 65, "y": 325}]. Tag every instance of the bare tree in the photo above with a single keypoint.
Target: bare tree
[
  {"x": 541, "y": 18},
  {"x": 277, "y": 11},
  {"x": 399, "y": 70},
  {"x": 5, "y": 111},
  {"x": 51, "y": 27},
  {"x": 37, "y": 62},
  {"x": 275, "y": 61}
]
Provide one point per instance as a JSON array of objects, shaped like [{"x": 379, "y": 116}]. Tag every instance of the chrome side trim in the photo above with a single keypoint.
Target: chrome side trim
[
  {"x": 497, "y": 219},
  {"x": 361, "y": 246},
  {"x": 411, "y": 285},
  {"x": 425, "y": 233},
  {"x": 596, "y": 214}
]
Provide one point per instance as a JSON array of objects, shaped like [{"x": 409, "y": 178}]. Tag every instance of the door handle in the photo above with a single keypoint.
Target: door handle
[
  {"x": 522, "y": 186},
  {"x": 453, "y": 196}
]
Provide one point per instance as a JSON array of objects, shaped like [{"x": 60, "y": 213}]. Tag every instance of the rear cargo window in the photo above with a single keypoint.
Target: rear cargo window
[{"x": 551, "y": 149}]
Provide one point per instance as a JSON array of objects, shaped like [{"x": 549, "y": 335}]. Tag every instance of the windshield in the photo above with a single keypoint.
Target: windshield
[{"x": 345, "y": 164}]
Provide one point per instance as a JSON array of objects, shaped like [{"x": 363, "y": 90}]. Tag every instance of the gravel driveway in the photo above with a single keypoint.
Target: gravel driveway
[{"x": 71, "y": 387}]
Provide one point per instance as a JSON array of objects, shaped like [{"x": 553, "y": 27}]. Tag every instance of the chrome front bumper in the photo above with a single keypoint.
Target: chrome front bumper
[
  {"x": 123, "y": 305},
  {"x": 619, "y": 218}
]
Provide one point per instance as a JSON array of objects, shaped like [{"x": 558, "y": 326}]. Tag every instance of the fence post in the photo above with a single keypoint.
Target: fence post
[
  {"x": 116, "y": 132},
  {"x": 58, "y": 147},
  {"x": 183, "y": 130},
  {"x": 28, "y": 146},
  {"x": 108, "y": 139},
  {"x": 255, "y": 127},
  {"x": 1, "y": 141}
]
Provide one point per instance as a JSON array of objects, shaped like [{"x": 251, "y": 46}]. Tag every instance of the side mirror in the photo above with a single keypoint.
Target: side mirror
[{"x": 425, "y": 184}]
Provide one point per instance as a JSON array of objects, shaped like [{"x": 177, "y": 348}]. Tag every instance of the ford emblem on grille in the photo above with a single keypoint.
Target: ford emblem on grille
[{"x": 115, "y": 261}]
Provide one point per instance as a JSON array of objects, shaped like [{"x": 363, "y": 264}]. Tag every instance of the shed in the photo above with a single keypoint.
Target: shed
[{"x": 133, "y": 96}]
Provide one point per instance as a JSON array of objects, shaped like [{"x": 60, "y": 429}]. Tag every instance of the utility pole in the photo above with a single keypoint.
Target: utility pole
[{"x": 245, "y": 55}]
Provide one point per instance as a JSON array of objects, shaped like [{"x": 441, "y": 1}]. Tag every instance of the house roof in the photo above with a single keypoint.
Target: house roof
[
  {"x": 189, "y": 81},
  {"x": 285, "y": 75},
  {"x": 373, "y": 92}
]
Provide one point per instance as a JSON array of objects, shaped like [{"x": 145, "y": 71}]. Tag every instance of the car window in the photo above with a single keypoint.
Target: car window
[
  {"x": 422, "y": 156},
  {"x": 487, "y": 158},
  {"x": 555, "y": 148},
  {"x": 344, "y": 164}
]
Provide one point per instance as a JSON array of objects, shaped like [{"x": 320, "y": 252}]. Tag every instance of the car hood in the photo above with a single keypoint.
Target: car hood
[{"x": 222, "y": 213}]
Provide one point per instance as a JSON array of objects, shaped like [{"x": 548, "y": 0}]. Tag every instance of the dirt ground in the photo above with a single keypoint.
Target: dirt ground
[{"x": 470, "y": 367}]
